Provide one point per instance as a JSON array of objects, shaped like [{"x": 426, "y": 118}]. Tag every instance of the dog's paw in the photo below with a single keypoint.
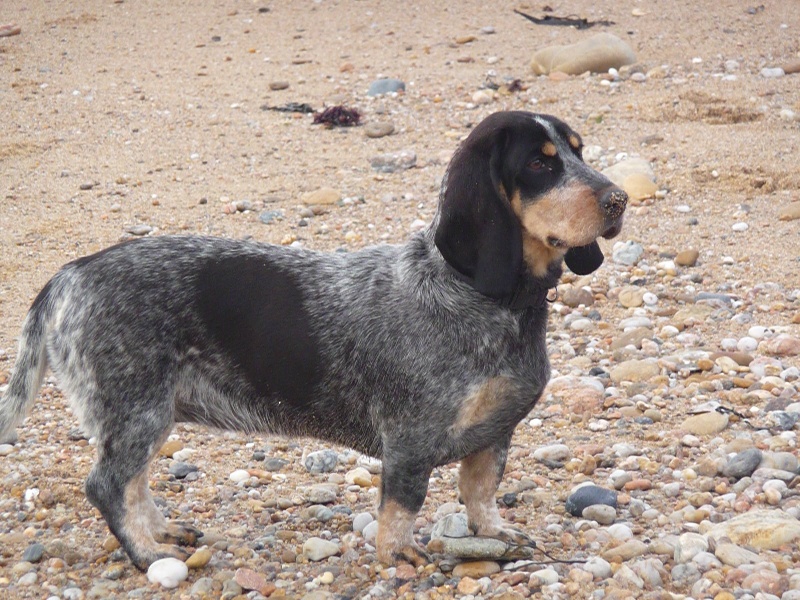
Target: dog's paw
[
  {"x": 409, "y": 553},
  {"x": 180, "y": 534},
  {"x": 509, "y": 534}
]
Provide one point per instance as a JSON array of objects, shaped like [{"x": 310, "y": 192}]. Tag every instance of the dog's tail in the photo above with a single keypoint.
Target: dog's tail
[{"x": 29, "y": 368}]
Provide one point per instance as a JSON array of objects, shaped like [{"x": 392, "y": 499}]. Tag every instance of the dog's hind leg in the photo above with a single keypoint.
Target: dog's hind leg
[{"x": 117, "y": 485}]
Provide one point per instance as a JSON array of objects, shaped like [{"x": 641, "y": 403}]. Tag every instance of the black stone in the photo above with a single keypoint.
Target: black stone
[{"x": 588, "y": 495}]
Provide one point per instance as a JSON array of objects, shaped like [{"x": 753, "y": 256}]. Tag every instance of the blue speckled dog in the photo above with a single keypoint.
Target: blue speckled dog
[{"x": 420, "y": 354}]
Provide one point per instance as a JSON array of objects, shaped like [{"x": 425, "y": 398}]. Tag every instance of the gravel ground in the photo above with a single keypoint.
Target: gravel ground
[{"x": 125, "y": 118}]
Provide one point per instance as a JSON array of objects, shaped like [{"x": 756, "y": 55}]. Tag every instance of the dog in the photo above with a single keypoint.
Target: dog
[{"x": 419, "y": 354}]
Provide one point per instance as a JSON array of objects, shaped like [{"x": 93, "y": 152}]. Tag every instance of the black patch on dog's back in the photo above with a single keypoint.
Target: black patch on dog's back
[{"x": 255, "y": 312}]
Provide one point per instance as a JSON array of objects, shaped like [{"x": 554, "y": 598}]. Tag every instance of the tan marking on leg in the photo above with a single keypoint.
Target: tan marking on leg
[
  {"x": 549, "y": 149},
  {"x": 481, "y": 404},
  {"x": 140, "y": 514},
  {"x": 477, "y": 483},
  {"x": 395, "y": 540},
  {"x": 574, "y": 141}
]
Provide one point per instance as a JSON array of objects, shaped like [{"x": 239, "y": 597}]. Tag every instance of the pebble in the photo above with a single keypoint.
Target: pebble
[
  {"x": 639, "y": 186},
  {"x": 601, "y": 513},
  {"x": 378, "y": 129},
  {"x": 250, "y": 580},
  {"x": 180, "y": 470},
  {"x": 270, "y": 216},
  {"x": 764, "y": 529},
  {"x": 635, "y": 370},
  {"x": 689, "y": 545},
  {"x": 239, "y": 476},
  {"x": 709, "y": 423},
  {"x": 476, "y": 569},
  {"x": 772, "y": 72},
  {"x": 321, "y": 493},
  {"x": 200, "y": 558},
  {"x": 359, "y": 476},
  {"x": 451, "y": 526},
  {"x": 627, "y": 253},
  {"x": 167, "y": 572},
  {"x": 322, "y": 197},
  {"x": 139, "y": 230},
  {"x": 276, "y": 86},
  {"x": 631, "y": 296},
  {"x": 33, "y": 553},
  {"x": 587, "y": 496},
  {"x": 790, "y": 212},
  {"x": 553, "y": 455},
  {"x": 596, "y": 54},
  {"x": 361, "y": 520},
  {"x": 687, "y": 258},
  {"x": 621, "y": 170},
  {"x": 321, "y": 461},
  {"x": 393, "y": 162},
  {"x": 316, "y": 549},
  {"x": 743, "y": 463},
  {"x": 380, "y": 87}
]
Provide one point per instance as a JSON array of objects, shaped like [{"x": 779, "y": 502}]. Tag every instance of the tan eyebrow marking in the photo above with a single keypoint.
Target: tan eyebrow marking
[
  {"x": 549, "y": 149},
  {"x": 574, "y": 141}
]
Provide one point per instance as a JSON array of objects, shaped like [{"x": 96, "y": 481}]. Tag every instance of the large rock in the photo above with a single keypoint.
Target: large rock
[
  {"x": 764, "y": 529},
  {"x": 597, "y": 54}
]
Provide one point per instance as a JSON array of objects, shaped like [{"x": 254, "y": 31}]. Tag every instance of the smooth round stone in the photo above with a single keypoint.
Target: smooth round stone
[
  {"x": 451, "y": 526},
  {"x": 620, "y": 531},
  {"x": 631, "y": 296},
  {"x": 772, "y": 72},
  {"x": 167, "y": 572},
  {"x": 359, "y": 476},
  {"x": 277, "y": 86},
  {"x": 199, "y": 559},
  {"x": 743, "y": 464},
  {"x": 687, "y": 258},
  {"x": 316, "y": 549},
  {"x": 33, "y": 553},
  {"x": 735, "y": 556},
  {"x": 596, "y": 54},
  {"x": 170, "y": 448},
  {"x": 705, "y": 424},
  {"x": 361, "y": 520},
  {"x": 639, "y": 186},
  {"x": 239, "y": 475},
  {"x": 322, "y": 197},
  {"x": 482, "y": 97},
  {"x": 321, "y": 461},
  {"x": 6, "y": 449},
  {"x": 601, "y": 513},
  {"x": 553, "y": 454},
  {"x": 180, "y": 470},
  {"x": 589, "y": 495},
  {"x": 747, "y": 344},
  {"x": 378, "y": 129},
  {"x": 321, "y": 493},
  {"x": 627, "y": 253},
  {"x": 598, "y": 567},
  {"x": 370, "y": 531},
  {"x": 385, "y": 86},
  {"x": 766, "y": 529},
  {"x": 741, "y": 226},
  {"x": 476, "y": 569}
]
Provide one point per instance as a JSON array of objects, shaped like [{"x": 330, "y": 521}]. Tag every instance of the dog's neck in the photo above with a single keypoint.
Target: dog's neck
[{"x": 532, "y": 292}]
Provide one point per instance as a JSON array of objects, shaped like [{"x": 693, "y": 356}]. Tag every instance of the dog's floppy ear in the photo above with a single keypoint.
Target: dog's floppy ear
[
  {"x": 478, "y": 234},
  {"x": 584, "y": 259}
]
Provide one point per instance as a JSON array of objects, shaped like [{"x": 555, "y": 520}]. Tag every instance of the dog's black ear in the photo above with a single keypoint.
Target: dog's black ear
[
  {"x": 478, "y": 233},
  {"x": 584, "y": 259}
]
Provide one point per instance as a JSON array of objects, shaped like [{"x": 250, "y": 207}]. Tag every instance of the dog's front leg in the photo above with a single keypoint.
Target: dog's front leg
[
  {"x": 404, "y": 484},
  {"x": 478, "y": 479}
]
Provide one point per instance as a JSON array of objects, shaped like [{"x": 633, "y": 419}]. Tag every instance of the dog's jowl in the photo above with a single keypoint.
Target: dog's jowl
[{"x": 420, "y": 354}]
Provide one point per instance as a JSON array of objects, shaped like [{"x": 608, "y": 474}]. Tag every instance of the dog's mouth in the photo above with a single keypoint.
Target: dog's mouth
[{"x": 612, "y": 231}]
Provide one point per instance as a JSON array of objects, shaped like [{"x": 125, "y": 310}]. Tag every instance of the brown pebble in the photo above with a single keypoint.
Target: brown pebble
[
  {"x": 170, "y": 448},
  {"x": 465, "y": 39},
  {"x": 687, "y": 258},
  {"x": 792, "y": 67},
  {"x": 250, "y": 580},
  {"x": 406, "y": 571},
  {"x": 638, "y": 484},
  {"x": 468, "y": 585},
  {"x": 278, "y": 85},
  {"x": 790, "y": 212},
  {"x": 199, "y": 559}
]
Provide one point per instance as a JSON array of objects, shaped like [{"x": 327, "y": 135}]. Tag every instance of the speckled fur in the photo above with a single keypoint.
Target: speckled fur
[{"x": 397, "y": 342}]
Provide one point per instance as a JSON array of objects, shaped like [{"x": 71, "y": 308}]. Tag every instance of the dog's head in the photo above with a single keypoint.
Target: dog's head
[{"x": 516, "y": 195}]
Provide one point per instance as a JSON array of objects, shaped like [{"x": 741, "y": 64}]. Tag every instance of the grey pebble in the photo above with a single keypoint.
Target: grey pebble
[
  {"x": 72, "y": 593},
  {"x": 394, "y": 161},
  {"x": 385, "y": 86},
  {"x": 602, "y": 513},
  {"x": 361, "y": 520},
  {"x": 323, "y": 514},
  {"x": 451, "y": 526},
  {"x": 181, "y": 469},
  {"x": 588, "y": 495},
  {"x": 321, "y": 461},
  {"x": 33, "y": 553},
  {"x": 685, "y": 575},
  {"x": 87, "y": 186},
  {"x": 378, "y": 129},
  {"x": 203, "y": 587},
  {"x": 139, "y": 229},
  {"x": 743, "y": 464},
  {"x": 270, "y": 216},
  {"x": 274, "y": 464},
  {"x": 628, "y": 253}
]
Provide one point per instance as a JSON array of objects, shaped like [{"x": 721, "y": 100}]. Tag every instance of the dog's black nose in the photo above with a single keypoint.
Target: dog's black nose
[{"x": 613, "y": 201}]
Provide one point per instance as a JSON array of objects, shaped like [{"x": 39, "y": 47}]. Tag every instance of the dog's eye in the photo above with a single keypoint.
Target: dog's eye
[{"x": 536, "y": 165}]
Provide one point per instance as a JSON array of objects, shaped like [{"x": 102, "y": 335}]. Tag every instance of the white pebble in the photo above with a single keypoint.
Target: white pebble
[
  {"x": 669, "y": 331},
  {"x": 168, "y": 572},
  {"x": 774, "y": 72},
  {"x": 757, "y": 332},
  {"x": 535, "y": 423},
  {"x": 6, "y": 449},
  {"x": 650, "y": 299},
  {"x": 620, "y": 531},
  {"x": 740, "y": 226},
  {"x": 370, "y": 532},
  {"x": 239, "y": 475},
  {"x": 683, "y": 208},
  {"x": 747, "y": 344}
]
